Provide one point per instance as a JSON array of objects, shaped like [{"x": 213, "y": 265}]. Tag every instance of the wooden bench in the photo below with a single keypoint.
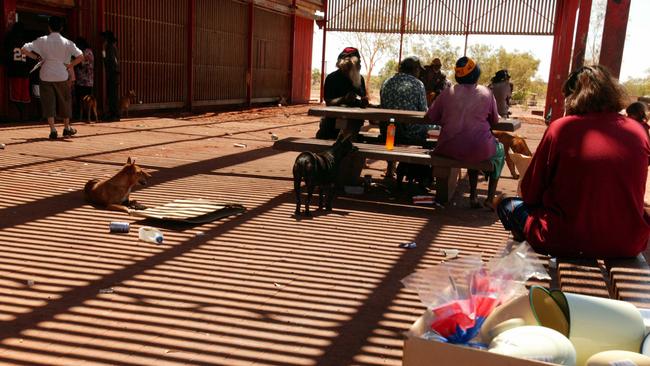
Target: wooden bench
[
  {"x": 620, "y": 279},
  {"x": 445, "y": 171}
]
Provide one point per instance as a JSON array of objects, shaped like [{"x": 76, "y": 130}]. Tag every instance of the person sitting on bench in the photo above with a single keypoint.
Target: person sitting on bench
[
  {"x": 466, "y": 113},
  {"x": 582, "y": 195},
  {"x": 502, "y": 89},
  {"x": 406, "y": 92},
  {"x": 343, "y": 87}
]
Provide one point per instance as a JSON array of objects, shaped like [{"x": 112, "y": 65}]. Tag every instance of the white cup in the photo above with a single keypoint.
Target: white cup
[
  {"x": 535, "y": 343},
  {"x": 593, "y": 324}
]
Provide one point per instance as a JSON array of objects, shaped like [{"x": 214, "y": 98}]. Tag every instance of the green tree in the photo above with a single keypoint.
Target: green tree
[
  {"x": 429, "y": 47},
  {"x": 315, "y": 76},
  {"x": 389, "y": 69},
  {"x": 638, "y": 87},
  {"x": 374, "y": 48}
]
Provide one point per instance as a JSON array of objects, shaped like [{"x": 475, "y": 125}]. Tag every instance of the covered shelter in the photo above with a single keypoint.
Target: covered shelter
[{"x": 566, "y": 20}]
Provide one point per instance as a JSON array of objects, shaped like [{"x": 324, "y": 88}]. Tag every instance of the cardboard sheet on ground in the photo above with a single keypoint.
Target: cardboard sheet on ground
[{"x": 192, "y": 211}]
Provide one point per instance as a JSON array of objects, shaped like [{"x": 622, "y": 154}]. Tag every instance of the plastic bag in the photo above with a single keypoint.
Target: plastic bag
[{"x": 461, "y": 293}]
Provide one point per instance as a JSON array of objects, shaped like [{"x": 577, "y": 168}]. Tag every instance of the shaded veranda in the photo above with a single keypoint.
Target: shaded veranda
[{"x": 260, "y": 288}]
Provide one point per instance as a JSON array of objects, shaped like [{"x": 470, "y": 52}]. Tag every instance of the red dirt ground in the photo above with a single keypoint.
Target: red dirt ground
[{"x": 261, "y": 288}]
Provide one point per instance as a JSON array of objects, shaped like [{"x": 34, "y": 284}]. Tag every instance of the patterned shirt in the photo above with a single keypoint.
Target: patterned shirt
[
  {"x": 406, "y": 92},
  {"x": 403, "y": 91},
  {"x": 85, "y": 70}
]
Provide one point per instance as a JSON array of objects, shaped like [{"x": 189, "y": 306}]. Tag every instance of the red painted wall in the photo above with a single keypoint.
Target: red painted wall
[
  {"x": 8, "y": 13},
  {"x": 220, "y": 31},
  {"x": 301, "y": 73}
]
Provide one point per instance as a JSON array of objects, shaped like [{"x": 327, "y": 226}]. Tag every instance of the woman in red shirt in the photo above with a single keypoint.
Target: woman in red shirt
[{"x": 582, "y": 195}]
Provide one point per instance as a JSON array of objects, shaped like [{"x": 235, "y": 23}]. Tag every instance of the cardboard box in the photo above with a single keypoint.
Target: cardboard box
[{"x": 420, "y": 352}]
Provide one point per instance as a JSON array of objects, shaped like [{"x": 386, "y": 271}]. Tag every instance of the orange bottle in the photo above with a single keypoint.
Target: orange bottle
[{"x": 390, "y": 134}]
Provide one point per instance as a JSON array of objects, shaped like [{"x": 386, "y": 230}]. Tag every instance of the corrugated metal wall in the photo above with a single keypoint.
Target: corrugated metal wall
[
  {"x": 220, "y": 52},
  {"x": 301, "y": 77},
  {"x": 532, "y": 17},
  {"x": 152, "y": 44},
  {"x": 271, "y": 54}
]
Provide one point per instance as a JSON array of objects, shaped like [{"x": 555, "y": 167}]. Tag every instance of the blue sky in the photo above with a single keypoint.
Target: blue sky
[{"x": 636, "y": 62}]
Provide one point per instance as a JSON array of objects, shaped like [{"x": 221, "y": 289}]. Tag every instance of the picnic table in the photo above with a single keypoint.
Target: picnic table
[
  {"x": 446, "y": 171},
  {"x": 344, "y": 115}
]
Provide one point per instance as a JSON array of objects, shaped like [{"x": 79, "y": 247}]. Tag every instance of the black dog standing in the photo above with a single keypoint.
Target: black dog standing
[{"x": 319, "y": 169}]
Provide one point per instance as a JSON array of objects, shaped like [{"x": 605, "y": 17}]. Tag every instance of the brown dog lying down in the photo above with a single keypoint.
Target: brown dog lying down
[
  {"x": 113, "y": 193},
  {"x": 515, "y": 143}
]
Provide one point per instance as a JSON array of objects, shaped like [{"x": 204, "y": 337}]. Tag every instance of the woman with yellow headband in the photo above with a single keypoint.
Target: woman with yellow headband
[{"x": 467, "y": 112}]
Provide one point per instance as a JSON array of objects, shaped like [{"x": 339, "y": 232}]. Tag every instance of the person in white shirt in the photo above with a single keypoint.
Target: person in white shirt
[{"x": 55, "y": 52}]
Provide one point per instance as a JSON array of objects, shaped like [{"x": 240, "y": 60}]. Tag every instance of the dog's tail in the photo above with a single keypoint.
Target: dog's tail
[{"x": 88, "y": 188}]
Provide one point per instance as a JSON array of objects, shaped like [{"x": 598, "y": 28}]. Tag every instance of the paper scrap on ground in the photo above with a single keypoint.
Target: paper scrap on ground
[{"x": 450, "y": 253}]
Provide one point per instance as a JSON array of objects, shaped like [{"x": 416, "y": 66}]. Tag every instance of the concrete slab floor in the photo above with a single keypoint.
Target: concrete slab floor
[{"x": 258, "y": 289}]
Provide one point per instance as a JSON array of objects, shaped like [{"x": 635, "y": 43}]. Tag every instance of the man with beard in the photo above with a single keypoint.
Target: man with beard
[
  {"x": 435, "y": 81},
  {"x": 344, "y": 87}
]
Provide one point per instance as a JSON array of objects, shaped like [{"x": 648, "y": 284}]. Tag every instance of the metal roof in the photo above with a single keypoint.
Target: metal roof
[{"x": 529, "y": 17}]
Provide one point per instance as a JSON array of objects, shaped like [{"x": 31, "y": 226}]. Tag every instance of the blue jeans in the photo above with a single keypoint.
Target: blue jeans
[{"x": 513, "y": 213}]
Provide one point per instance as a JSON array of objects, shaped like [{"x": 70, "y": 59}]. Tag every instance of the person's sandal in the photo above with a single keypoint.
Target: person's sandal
[
  {"x": 69, "y": 132},
  {"x": 53, "y": 135}
]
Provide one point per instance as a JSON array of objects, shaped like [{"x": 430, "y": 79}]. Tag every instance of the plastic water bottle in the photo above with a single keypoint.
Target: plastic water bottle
[
  {"x": 390, "y": 134},
  {"x": 150, "y": 235}
]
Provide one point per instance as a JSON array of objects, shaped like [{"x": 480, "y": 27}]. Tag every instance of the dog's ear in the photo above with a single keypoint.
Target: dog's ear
[{"x": 128, "y": 160}]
